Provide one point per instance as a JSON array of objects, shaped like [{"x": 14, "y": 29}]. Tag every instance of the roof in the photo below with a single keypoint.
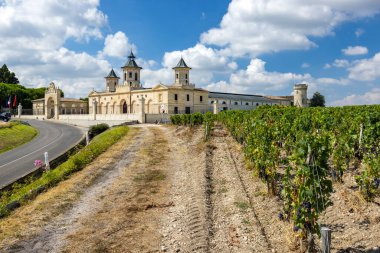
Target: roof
[
  {"x": 226, "y": 93},
  {"x": 280, "y": 97},
  {"x": 181, "y": 64},
  {"x": 72, "y": 100},
  {"x": 40, "y": 99},
  {"x": 112, "y": 74},
  {"x": 233, "y": 96},
  {"x": 131, "y": 62},
  {"x": 62, "y": 100}
]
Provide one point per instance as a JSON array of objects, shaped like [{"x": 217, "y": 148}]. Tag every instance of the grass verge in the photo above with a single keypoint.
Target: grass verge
[
  {"x": 22, "y": 193},
  {"x": 14, "y": 134}
]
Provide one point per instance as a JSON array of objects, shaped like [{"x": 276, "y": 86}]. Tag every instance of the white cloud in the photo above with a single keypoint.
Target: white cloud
[
  {"x": 36, "y": 32},
  {"x": 330, "y": 81},
  {"x": 260, "y": 26},
  {"x": 357, "y": 50},
  {"x": 201, "y": 58},
  {"x": 205, "y": 63},
  {"x": 305, "y": 65},
  {"x": 359, "y": 32},
  {"x": 370, "y": 97},
  {"x": 256, "y": 80},
  {"x": 152, "y": 77},
  {"x": 339, "y": 63},
  {"x": 365, "y": 69},
  {"x": 117, "y": 45}
]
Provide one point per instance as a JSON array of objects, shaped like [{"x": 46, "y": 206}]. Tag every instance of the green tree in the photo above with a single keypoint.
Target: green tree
[
  {"x": 24, "y": 95},
  {"x": 6, "y": 76},
  {"x": 317, "y": 100}
]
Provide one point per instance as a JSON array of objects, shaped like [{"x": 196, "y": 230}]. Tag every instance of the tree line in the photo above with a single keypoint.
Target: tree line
[{"x": 10, "y": 87}]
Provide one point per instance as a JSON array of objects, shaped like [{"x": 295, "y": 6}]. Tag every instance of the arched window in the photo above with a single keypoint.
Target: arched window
[
  {"x": 236, "y": 103},
  {"x": 257, "y": 104},
  {"x": 246, "y": 103},
  {"x": 130, "y": 74},
  {"x": 135, "y": 76},
  {"x": 125, "y": 76}
]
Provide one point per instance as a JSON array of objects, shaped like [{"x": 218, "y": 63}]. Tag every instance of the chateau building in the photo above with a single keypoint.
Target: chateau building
[
  {"x": 125, "y": 97},
  {"x": 128, "y": 97}
]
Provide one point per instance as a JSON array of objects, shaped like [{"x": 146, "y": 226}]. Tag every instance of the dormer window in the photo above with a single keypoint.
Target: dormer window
[{"x": 130, "y": 74}]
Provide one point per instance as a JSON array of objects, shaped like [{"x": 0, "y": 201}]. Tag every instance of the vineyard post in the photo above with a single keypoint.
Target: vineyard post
[
  {"x": 360, "y": 134},
  {"x": 206, "y": 132},
  {"x": 325, "y": 239}
]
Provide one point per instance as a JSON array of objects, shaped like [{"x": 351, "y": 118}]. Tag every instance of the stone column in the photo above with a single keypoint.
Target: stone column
[
  {"x": 56, "y": 111},
  {"x": 142, "y": 110},
  {"x": 19, "y": 110},
  {"x": 94, "y": 107},
  {"x": 216, "y": 109}
]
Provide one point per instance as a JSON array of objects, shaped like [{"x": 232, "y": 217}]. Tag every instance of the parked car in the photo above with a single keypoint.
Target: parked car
[{"x": 5, "y": 116}]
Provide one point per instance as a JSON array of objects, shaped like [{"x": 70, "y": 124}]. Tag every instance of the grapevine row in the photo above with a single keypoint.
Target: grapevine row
[{"x": 299, "y": 152}]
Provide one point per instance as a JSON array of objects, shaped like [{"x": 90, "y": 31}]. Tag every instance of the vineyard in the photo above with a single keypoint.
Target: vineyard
[{"x": 301, "y": 153}]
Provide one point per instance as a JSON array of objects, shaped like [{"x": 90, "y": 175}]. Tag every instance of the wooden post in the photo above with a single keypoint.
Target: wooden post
[
  {"x": 207, "y": 131},
  {"x": 360, "y": 134},
  {"x": 326, "y": 239}
]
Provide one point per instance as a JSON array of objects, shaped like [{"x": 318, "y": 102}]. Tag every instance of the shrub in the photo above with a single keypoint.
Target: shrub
[{"x": 98, "y": 129}]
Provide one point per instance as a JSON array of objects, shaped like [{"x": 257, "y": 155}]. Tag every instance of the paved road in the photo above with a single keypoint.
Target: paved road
[{"x": 53, "y": 137}]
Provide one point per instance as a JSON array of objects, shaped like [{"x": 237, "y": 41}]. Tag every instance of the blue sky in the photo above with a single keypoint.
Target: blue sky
[{"x": 241, "y": 46}]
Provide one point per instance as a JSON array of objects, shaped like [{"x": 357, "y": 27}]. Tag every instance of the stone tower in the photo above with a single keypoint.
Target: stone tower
[
  {"x": 300, "y": 95},
  {"x": 181, "y": 72},
  {"x": 131, "y": 73},
  {"x": 52, "y": 101},
  {"x": 111, "y": 81}
]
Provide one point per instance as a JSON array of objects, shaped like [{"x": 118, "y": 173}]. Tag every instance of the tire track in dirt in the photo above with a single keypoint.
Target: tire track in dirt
[
  {"x": 235, "y": 217},
  {"x": 249, "y": 197},
  {"x": 187, "y": 227}
]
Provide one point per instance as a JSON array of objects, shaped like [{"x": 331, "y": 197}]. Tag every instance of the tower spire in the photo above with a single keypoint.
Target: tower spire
[
  {"x": 131, "y": 72},
  {"x": 131, "y": 56}
]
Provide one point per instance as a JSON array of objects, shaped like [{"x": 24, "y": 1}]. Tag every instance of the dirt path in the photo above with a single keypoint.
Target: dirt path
[
  {"x": 164, "y": 190},
  {"x": 159, "y": 189}
]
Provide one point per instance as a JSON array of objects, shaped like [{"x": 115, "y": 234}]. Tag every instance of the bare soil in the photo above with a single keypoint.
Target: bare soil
[{"x": 163, "y": 189}]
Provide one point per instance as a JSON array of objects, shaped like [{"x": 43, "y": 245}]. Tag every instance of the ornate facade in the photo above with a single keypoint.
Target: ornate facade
[
  {"x": 128, "y": 97},
  {"x": 53, "y": 104},
  {"x": 180, "y": 97}
]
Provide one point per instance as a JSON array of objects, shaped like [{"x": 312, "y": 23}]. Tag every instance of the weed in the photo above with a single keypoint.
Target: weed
[
  {"x": 150, "y": 176},
  {"x": 242, "y": 205},
  {"x": 223, "y": 190}
]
